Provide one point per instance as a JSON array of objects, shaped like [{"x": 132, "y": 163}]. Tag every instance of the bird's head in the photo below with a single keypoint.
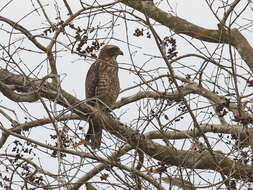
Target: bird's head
[{"x": 110, "y": 51}]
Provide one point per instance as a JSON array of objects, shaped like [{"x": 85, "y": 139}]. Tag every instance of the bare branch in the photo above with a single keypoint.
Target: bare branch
[{"x": 23, "y": 31}]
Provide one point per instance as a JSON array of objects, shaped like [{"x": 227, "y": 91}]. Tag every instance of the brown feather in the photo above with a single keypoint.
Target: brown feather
[{"x": 102, "y": 84}]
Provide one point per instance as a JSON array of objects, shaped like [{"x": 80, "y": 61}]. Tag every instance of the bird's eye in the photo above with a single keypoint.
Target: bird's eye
[{"x": 114, "y": 49}]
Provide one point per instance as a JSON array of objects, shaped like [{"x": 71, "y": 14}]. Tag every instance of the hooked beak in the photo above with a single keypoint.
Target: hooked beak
[{"x": 121, "y": 53}]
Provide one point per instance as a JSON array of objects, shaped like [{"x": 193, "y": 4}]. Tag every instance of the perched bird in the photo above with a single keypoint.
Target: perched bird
[{"x": 102, "y": 85}]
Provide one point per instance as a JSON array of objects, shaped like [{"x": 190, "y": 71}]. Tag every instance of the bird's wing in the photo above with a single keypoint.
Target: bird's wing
[{"x": 92, "y": 79}]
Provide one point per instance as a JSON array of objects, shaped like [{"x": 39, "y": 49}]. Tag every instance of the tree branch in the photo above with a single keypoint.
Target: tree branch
[
  {"x": 165, "y": 154},
  {"x": 23, "y": 31},
  {"x": 181, "y": 26}
]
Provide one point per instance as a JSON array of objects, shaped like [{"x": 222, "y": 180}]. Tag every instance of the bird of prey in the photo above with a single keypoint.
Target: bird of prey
[{"x": 102, "y": 86}]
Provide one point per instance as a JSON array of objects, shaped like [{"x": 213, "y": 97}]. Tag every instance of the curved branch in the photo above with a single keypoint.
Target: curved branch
[
  {"x": 23, "y": 31},
  {"x": 237, "y": 131},
  {"x": 192, "y": 88},
  {"x": 165, "y": 154},
  {"x": 23, "y": 97},
  {"x": 243, "y": 47},
  {"x": 39, "y": 122},
  {"x": 180, "y": 26}
]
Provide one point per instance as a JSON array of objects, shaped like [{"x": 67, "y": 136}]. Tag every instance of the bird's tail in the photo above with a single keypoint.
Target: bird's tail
[{"x": 94, "y": 135}]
